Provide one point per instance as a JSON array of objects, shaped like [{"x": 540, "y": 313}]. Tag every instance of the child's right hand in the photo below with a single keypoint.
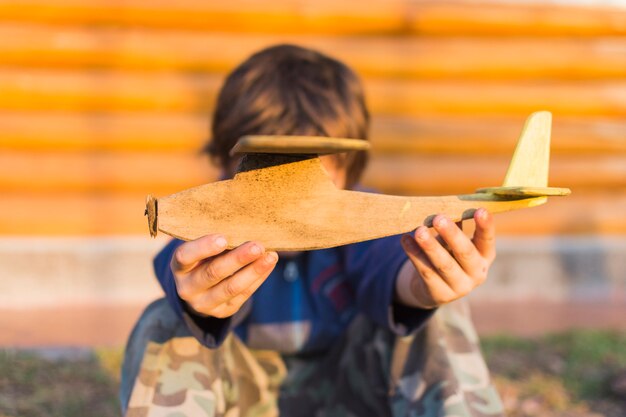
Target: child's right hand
[{"x": 215, "y": 282}]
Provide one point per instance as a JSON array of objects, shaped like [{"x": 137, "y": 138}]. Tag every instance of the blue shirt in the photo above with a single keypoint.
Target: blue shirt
[{"x": 309, "y": 300}]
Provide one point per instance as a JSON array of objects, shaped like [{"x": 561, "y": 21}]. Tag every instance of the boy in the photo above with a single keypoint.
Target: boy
[{"x": 347, "y": 331}]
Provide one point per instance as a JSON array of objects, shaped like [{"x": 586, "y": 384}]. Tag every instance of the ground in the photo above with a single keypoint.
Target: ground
[
  {"x": 578, "y": 373},
  {"x": 573, "y": 374}
]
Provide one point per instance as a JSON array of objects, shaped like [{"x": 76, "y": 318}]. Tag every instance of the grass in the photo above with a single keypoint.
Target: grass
[
  {"x": 31, "y": 386},
  {"x": 573, "y": 374},
  {"x": 577, "y": 373}
]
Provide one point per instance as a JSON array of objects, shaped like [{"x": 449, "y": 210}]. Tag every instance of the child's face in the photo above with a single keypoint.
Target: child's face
[{"x": 337, "y": 173}]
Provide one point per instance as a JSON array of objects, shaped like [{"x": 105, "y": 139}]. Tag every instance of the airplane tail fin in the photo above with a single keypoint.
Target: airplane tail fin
[
  {"x": 528, "y": 172},
  {"x": 531, "y": 159}
]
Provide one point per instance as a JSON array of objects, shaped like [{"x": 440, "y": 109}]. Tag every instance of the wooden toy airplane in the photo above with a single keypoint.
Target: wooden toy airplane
[{"x": 283, "y": 198}]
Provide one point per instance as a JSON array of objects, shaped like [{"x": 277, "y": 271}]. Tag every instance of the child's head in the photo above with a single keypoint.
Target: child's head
[{"x": 289, "y": 90}]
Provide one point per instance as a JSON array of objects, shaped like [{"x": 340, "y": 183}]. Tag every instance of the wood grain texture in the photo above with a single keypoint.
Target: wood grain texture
[
  {"x": 288, "y": 205},
  {"x": 296, "y": 206},
  {"x": 41, "y": 213}
]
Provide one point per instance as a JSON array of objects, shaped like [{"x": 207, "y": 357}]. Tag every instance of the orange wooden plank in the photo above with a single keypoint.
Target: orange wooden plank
[
  {"x": 54, "y": 214},
  {"x": 403, "y": 57},
  {"x": 505, "y": 98},
  {"x": 114, "y": 91},
  {"x": 326, "y": 16},
  {"x": 440, "y": 175},
  {"x": 241, "y": 15},
  {"x": 157, "y": 173},
  {"x": 593, "y": 213},
  {"x": 57, "y": 214},
  {"x": 140, "y": 132},
  {"x": 165, "y": 173},
  {"x": 149, "y": 132},
  {"x": 101, "y": 91},
  {"x": 486, "y": 135},
  {"x": 517, "y": 18}
]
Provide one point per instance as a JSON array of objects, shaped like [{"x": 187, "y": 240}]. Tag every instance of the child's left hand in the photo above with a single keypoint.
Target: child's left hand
[{"x": 437, "y": 275}]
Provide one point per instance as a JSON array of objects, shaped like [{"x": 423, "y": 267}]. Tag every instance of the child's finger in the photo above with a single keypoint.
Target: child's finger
[
  {"x": 485, "y": 234},
  {"x": 462, "y": 248},
  {"x": 444, "y": 264},
  {"x": 441, "y": 259},
  {"x": 189, "y": 254},
  {"x": 233, "y": 305},
  {"x": 439, "y": 288},
  {"x": 211, "y": 272},
  {"x": 242, "y": 285}
]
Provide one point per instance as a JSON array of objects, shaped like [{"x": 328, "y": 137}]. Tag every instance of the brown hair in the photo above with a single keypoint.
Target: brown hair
[{"x": 290, "y": 90}]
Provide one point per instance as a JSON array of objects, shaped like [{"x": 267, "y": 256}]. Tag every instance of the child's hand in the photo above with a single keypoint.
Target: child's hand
[
  {"x": 439, "y": 275},
  {"x": 215, "y": 282}
]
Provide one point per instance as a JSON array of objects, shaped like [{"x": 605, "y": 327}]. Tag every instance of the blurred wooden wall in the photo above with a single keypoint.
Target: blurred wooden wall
[{"x": 103, "y": 102}]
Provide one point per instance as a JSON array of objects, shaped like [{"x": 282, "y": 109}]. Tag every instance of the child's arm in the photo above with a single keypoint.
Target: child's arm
[
  {"x": 214, "y": 282},
  {"x": 436, "y": 275}
]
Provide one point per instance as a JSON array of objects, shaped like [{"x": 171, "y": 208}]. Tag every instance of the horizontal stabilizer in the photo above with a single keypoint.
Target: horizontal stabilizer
[{"x": 525, "y": 191}]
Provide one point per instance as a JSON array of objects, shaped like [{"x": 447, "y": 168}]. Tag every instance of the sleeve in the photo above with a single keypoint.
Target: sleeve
[
  {"x": 372, "y": 268},
  {"x": 210, "y": 331}
]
